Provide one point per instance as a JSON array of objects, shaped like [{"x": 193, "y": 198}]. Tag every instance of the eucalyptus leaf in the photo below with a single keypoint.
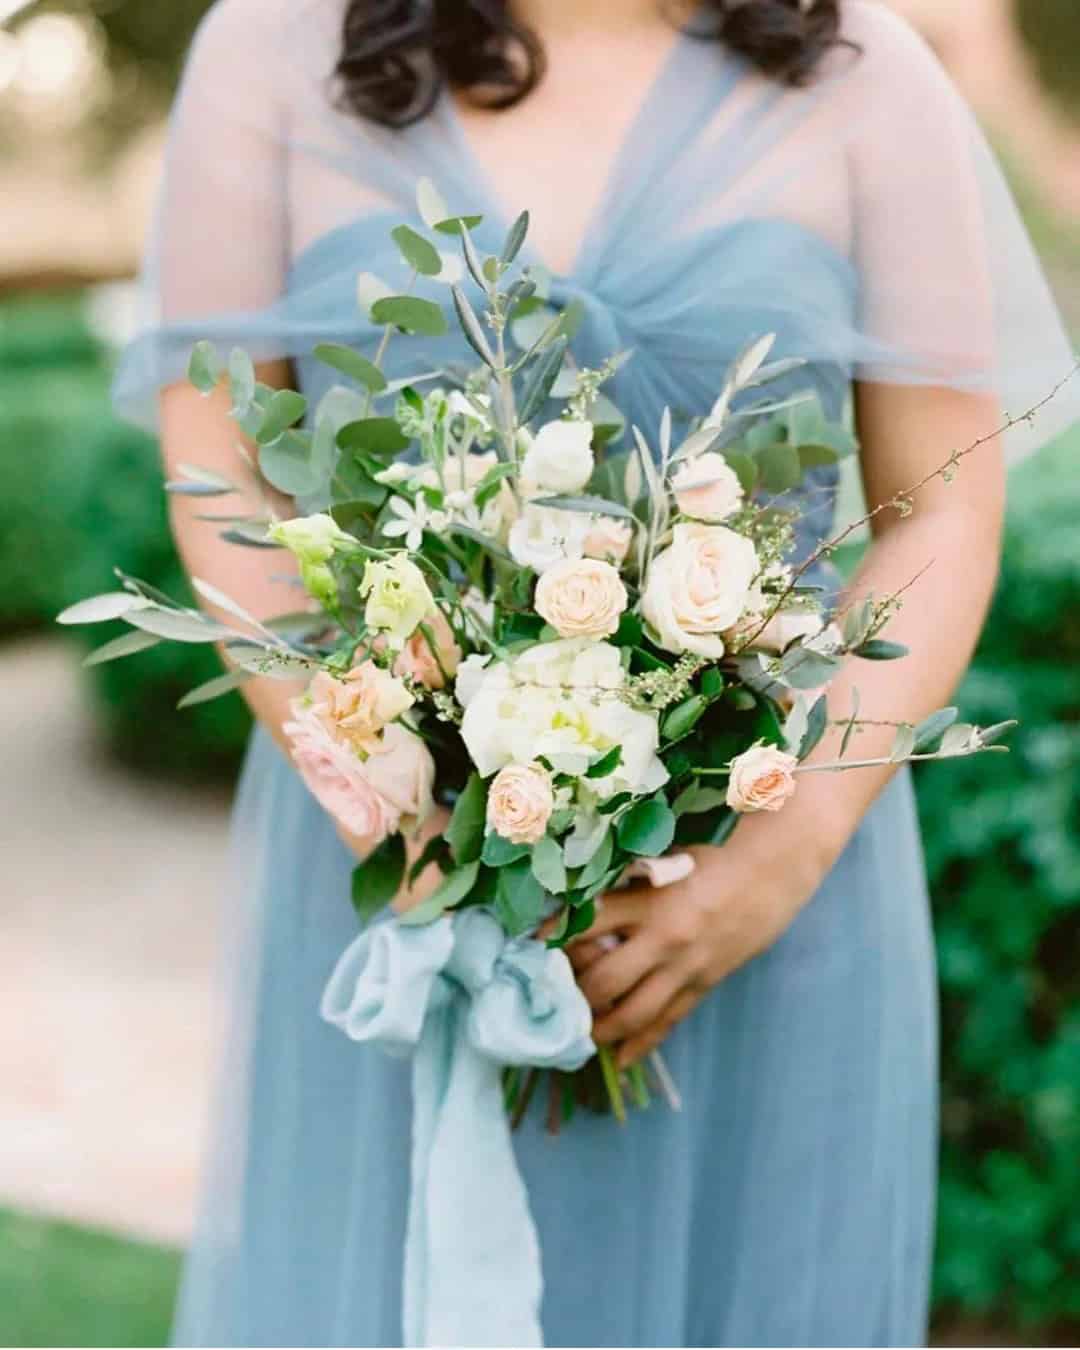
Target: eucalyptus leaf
[
  {"x": 352, "y": 364},
  {"x": 817, "y": 723},
  {"x": 648, "y": 828},
  {"x": 514, "y": 239},
  {"x": 697, "y": 799},
  {"x": 286, "y": 464},
  {"x": 780, "y": 467},
  {"x": 458, "y": 224},
  {"x": 451, "y": 891},
  {"x": 370, "y": 289},
  {"x": 606, "y": 764},
  {"x": 877, "y": 649},
  {"x": 500, "y": 852},
  {"x": 931, "y": 729},
  {"x": 177, "y": 626},
  {"x": 128, "y": 644},
  {"x": 421, "y": 255},
  {"x": 241, "y": 381},
  {"x": 682, "y": 719},
  {"x": 284, "y": 410},
  {"x": 598, "y": 863},
  {"x": 520, "y": 899},
  {"x": 430, "y": 203},
  {"x": 993, "y": 734},
  {"x": 204, "y": 367},
  {"x": 470, "y": 326},
  {"x": 376, "y": 435},
  {"x": 903, "y": 743},
  {"x": 411, "y": 315},
  {"x": 465, "y": 832},
  {"x": 541, "y": 380},
  {"x": 600, "y": 506},
  {"x": 101, "y": 608},
  {"x": 378, "y": 878},
  {"x": 216, "y": 688},
  {"x": 548, "y": 866}
]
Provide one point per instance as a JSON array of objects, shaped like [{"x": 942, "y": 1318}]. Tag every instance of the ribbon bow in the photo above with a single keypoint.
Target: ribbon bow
[{"x": 465, "y": 1000}]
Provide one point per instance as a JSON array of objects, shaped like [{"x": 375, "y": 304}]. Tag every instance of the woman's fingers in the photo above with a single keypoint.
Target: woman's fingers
[
  {"x": 615, "y": 973},
  {"x": 636, "y": 1013},
  {"x": 637, "y": 1047},
  {"x": 585, "y": 954}
]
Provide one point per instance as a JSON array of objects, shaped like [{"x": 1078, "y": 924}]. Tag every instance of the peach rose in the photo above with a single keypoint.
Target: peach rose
[
  {"x": 520, "y": 802},
  {"x": 581, "y": 598},
  {"x": 430, "y": 668},
  {"x": 762, "y": 779},
  {"x": 356, "y": 708},
  {"x": 608, "y": 539},
  {"x": 708, "y": 488},
  {"x": 403, "y": 773}
]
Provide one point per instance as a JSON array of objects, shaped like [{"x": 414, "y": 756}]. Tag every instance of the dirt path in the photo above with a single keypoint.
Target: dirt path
[{"x": 107, "y": 943}]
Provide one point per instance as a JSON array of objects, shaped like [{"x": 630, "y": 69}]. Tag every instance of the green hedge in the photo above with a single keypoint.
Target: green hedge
[
  {"x": 1051, "y": 29},
  {"x": 83, "y": 494},
  {"x": 1003, "y": 847}
]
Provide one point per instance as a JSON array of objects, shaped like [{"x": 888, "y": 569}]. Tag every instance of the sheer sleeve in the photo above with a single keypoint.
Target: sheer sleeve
[
  {"x": 218, "y": 252},
  {"x": 950, "y": 289}
]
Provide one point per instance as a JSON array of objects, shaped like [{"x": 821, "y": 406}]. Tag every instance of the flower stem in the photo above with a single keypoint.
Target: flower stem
[{"x": 611, "y": 1082}]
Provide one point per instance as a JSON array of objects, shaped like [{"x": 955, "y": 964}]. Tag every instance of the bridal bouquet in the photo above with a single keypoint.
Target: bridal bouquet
[{"x": 588, "y": 641}]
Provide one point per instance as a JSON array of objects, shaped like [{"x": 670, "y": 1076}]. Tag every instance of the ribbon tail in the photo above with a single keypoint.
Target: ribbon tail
[{"x": 472, "y": 1273}]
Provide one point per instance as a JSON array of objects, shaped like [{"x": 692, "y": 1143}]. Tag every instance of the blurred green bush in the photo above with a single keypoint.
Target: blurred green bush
[
  {"x": 1003, "y": 847},
  {"x": 1051, "y": 29},
  {"x": 83, "y": 494}
]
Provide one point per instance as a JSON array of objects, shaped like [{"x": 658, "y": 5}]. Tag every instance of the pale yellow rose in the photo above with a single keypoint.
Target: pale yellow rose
[
  {"x": 699, "y": 587},
  {"x": 762, "y": 779},
  {"x": 581, "y": 597},
  {"x": 357, "y": 708},
  {"x": 707, "y": 488},
  {"x": 609, "y": 539},
  {"x": 520, "y": 802},
  {"x": 398, "y": 598}
]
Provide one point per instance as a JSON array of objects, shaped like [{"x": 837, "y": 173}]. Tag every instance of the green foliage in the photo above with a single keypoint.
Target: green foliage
[
  {"x": 1003, "y": 847},
  {"x": 1051, "y": 29},
  {"x": 83, "y": 493}
]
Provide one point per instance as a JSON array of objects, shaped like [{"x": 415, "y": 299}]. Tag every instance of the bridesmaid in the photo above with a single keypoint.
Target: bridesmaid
[{"x": 697, "y": 176}]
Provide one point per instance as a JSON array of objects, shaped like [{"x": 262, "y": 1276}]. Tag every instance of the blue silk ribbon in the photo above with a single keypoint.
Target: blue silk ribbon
[{"x": 465, "y": 1000}]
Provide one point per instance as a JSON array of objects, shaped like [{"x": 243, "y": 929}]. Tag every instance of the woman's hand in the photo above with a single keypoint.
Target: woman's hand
[
  {"x": 652, "y": 955},
  {"x": 408, "y": 896}
]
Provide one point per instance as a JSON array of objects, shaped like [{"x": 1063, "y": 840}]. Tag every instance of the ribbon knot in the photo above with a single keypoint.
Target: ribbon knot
[{"x": 465, "y": 1000}]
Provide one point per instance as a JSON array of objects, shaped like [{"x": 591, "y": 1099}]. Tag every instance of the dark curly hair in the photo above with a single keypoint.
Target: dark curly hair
[{"x": 398, "y": 55}]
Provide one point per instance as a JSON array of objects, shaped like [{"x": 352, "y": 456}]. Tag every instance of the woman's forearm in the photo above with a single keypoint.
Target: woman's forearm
[{"x": 198, "y": 430}]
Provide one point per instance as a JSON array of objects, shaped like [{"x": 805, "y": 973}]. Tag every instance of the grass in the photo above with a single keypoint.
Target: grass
[{"x": 63, "y": 1285}]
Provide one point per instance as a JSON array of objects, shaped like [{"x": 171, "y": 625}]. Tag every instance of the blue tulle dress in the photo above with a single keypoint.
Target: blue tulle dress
[{"x": 791, "y": 1202}]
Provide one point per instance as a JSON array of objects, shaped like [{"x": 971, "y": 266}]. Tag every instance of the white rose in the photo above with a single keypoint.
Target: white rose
[
  {"x": 707, "y": 488},
  {"x": 608, "y": 539},
  {"x": 581, "y": 597},
  {"x": 560, "y": 457},
  {"x": 762, "y": 779},
  {"x": 557, "y": 701},
  {"x": 543, "y": 536},
  {"x": 698, "y": 587}
]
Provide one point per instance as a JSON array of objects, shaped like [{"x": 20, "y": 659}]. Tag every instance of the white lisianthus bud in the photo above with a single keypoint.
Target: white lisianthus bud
[{"x": 560, "y": 457}]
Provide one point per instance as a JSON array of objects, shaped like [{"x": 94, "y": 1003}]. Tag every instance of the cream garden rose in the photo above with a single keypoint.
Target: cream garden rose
[
  {"x": 698, "y": 587},
  {"x": 560, "y": 457},
  {"x": 581, "y": 597},
  {"x": 520, "y": 802},
  {"x": 707, "y": 488},
  {"x": 762, "y": 779},
  {"x": 398, "y": 598}
]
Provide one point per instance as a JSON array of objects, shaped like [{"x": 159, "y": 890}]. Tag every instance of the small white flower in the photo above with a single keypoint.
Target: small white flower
[{"x": 411, "y": 520}]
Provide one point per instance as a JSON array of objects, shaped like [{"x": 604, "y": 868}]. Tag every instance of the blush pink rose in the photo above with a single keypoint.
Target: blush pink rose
[
  {"x": 762, "y": 779},
  {"x": 403, "y": 773},
  {"x": 608, "y": 539},
  {"x": 430, "y": 668},
  {"x": 337, "y": 777},
  {"x": 708, "y": 488},
  {"x": 581, "y": 598},
  {"x": 520, "y": 802}
]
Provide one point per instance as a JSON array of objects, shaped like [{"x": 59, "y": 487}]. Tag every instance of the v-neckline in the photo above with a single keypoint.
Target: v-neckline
[{"x": 496, "y": 209}]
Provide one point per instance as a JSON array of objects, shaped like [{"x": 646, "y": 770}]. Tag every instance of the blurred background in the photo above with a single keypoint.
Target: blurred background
[{"x": 114, "y": 805}]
